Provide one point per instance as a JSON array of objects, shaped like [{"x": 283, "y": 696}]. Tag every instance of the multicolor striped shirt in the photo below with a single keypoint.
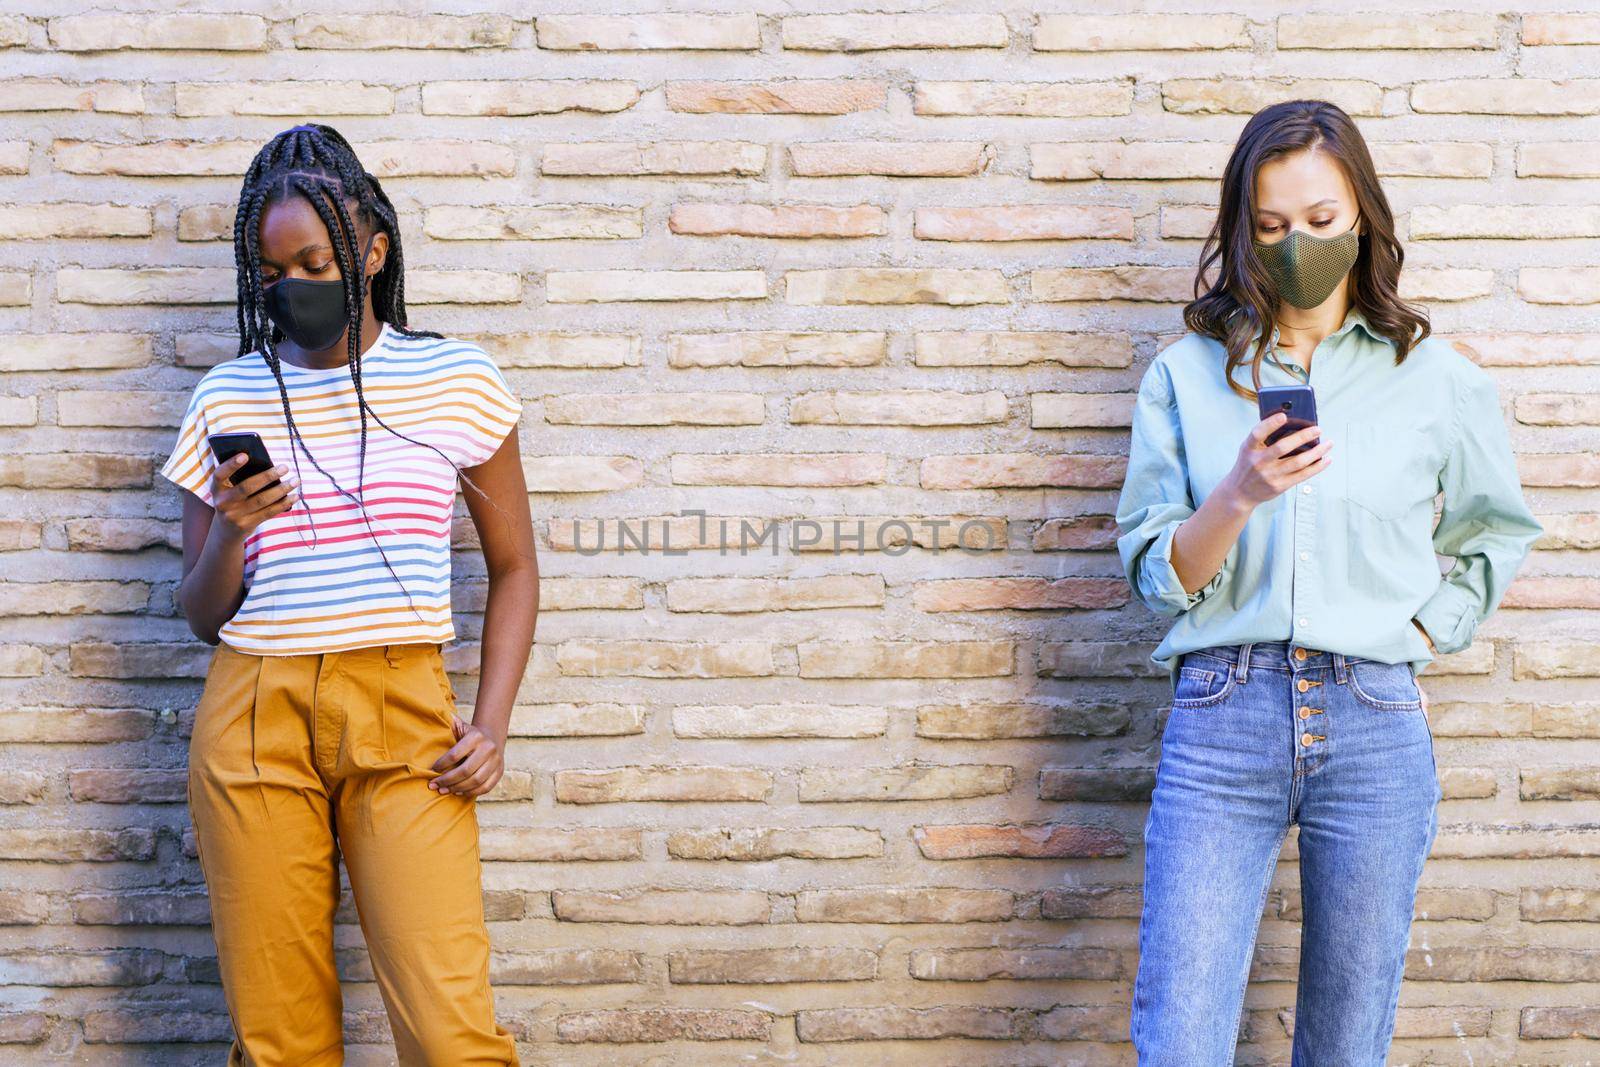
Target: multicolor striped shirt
[{"x": 315, "y": 576}]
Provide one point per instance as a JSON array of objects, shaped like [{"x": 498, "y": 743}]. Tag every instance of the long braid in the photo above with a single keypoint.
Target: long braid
[{"x": 316, "y": 162}]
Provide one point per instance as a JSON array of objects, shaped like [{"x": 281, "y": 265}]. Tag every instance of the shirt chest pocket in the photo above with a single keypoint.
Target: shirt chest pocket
[{"x": 1390, "y": 471}]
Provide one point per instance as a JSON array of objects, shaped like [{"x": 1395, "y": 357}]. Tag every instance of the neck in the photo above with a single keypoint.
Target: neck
[
  {"x": 1308, "y": 327},
  {"x": 336, "y": 354}
]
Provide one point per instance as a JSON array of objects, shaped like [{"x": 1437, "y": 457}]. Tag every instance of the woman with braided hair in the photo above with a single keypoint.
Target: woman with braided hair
[{"x": 327, "y": 726}]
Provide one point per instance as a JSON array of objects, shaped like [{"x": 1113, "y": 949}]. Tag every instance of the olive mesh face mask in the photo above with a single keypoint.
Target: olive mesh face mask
[{"x": 1307, "y": 268}]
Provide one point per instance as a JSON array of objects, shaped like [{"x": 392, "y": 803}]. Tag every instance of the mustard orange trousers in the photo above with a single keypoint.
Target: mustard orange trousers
[{"x": 293, "y": 761}]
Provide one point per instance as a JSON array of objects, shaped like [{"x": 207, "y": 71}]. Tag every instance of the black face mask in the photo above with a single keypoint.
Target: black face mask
[{"x": 310, "y": 313}]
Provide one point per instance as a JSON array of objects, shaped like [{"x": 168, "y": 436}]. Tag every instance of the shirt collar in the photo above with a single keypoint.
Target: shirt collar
[{"x": 1353, "y": 318}]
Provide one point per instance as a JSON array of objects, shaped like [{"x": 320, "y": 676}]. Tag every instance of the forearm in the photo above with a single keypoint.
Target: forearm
[
  {"x": 509, "y": 619},
  {"x": 1202, "y": 542},
  {"x": 213, "y": 589}
]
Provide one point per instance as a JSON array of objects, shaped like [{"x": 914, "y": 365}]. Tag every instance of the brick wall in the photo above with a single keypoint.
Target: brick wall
[{"x": 796, "y": 805}]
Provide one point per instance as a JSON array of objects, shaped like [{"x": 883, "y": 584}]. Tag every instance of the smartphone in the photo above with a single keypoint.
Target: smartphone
[
  {"x": 227, "y": 445},
  {"x": 1296, "y": 401}
]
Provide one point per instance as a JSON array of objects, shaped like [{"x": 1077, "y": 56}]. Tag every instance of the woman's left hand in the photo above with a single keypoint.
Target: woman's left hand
[{"x": 475, "y": 762}]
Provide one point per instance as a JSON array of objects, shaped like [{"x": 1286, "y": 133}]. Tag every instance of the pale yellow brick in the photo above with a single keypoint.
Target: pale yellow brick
[
  {"x": 664, "y": 659},
  {"x": 664, "y": 158},
  {"x": 655, "y": 409},
  {"x": 776, "y": 349},
  {"x": 1014, "y": 470},
  {"x": 915, "y": 782},
  {"x": 1558, "y": 159},
  {"x": 1059, "y": 411},
  {"x": 760, "y": 844},
  {"x": 1245, "y": 96},
  {"x": 55, "y": 94},
  {"x": 119, "y": 407},
  {"x": 893, "y": 159},
  {"x": 206, "y": 222},
  {"x": 778, "y": 220},
  {"x": 462, "y": 287},
  {"x": 1022, "y": 348},
  {"x": 896, "y": 904},
  {"x": 13, "y": 31},
  {"x": 374, "y": 31},
  {"x": 16, "y": 289},
  {"x": 868, "y": 33},
  {"x": 648, "y": 32},
  {"x": 800, "y": 96},
  {"x": 533, "y": 222},
  {"x": 210, "y": 33},
  {"x": 577, "y": 720},
  {"x": 1545, "y": 28},
  {"x": 1135, "y": 160},
  {"x": 905, "y": 407},
  {"x": 149, "y": 285},
  {"x": 778, "y": 720},
  {"x": 895, "y": 285},
  {"x": 192, "y": 99},
  {"x": 1024, "y": 222},
  {"x": 1440, "y": 159},
  {"x": 588, "y": 594},
  {"x": 19, "y": 411},
  {"x": 431, "y": 157},
  {"x": 1373, "y": 30},
  {"x": 530, "y": 97},
  {"x": 664, "y": 907},
  {"x": 662, "y": 784},
  {"x": 1507, "y": 96},
  {"x": 18, "y": 599},
  {"x": 1503, "y": 222},
  {"x": 743, "y": 595},
  {"x": 32, "y": 222},
  {"x": 14, "y": 157},
  {"x": 560, "y": 349},
  {"x": 1556, "y": 659},
  {"x": 1580, "y": 530},
  {"x": 1163, "y": 284},
  {"x": 1558, "y": 409},
  {"x": 1062, "y": 100},
  {"x": 1559, "y": 285},
  {"x": 153, "y": 158},
  {"x": 611, "y": 286},
  {"x": 779, "y": 468},
  {"x": 581, "y": 474},
  {"x": 1445, "y": 283},
  {"x": 1147, "y": 31},
  {"x": 906, "y": 659},
  {"x": 1579, "y": 470}
]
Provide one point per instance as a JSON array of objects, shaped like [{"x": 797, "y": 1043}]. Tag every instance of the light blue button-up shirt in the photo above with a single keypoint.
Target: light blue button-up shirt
[{"x": 1346, "y": 559}]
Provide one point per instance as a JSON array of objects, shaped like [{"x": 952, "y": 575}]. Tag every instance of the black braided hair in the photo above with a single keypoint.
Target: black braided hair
[{"x": 316, "y": 162}]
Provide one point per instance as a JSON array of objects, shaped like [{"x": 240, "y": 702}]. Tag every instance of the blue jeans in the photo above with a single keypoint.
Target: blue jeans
[{"x": 1262, "y": 736}]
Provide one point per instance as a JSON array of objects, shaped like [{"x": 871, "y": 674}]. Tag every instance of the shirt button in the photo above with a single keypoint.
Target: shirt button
[
  {"x": 1305, "y": 555},
  {"x": 1302, "y": 685},
  {"x": 1306, "y": 489},
  {"x": 1305, "y": 622},
  {"x": 1306, "y": 739}
]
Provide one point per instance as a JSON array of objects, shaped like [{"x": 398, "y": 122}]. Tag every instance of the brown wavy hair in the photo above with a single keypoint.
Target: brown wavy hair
[{"x": 1241, "y": 301}]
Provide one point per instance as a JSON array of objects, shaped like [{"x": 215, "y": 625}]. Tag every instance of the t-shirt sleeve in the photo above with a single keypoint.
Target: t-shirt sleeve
[
  {"x": 191, "y": 462},
  {"x": 489, "y": 409}
]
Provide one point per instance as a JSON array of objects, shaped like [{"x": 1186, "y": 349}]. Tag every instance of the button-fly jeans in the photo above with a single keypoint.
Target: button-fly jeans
[{"x": 1262, "y": 737}]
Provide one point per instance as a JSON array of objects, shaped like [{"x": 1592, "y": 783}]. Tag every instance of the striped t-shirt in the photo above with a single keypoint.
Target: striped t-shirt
[{"x": 329, "y": 589}]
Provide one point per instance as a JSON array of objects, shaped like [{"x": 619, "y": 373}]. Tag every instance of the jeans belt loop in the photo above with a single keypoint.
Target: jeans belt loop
[
  {"x": 1243, "y": 666},
  {"x": 1340, "y": 668}
]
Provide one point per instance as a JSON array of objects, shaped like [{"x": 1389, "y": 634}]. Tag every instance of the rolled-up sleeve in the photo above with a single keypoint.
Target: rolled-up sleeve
[
  {"x": 1155, "y": 499},
  {"x": 1485, "y": 525}
]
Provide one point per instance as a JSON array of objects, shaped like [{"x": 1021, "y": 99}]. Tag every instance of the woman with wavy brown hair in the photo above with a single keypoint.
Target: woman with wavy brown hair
[{"x": 1302, "y": 574}]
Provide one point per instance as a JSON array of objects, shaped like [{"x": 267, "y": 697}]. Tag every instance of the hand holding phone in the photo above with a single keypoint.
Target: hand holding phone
[
  {"x": 246, "y": 488},
  {"x": 1282, "y": 450}
]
